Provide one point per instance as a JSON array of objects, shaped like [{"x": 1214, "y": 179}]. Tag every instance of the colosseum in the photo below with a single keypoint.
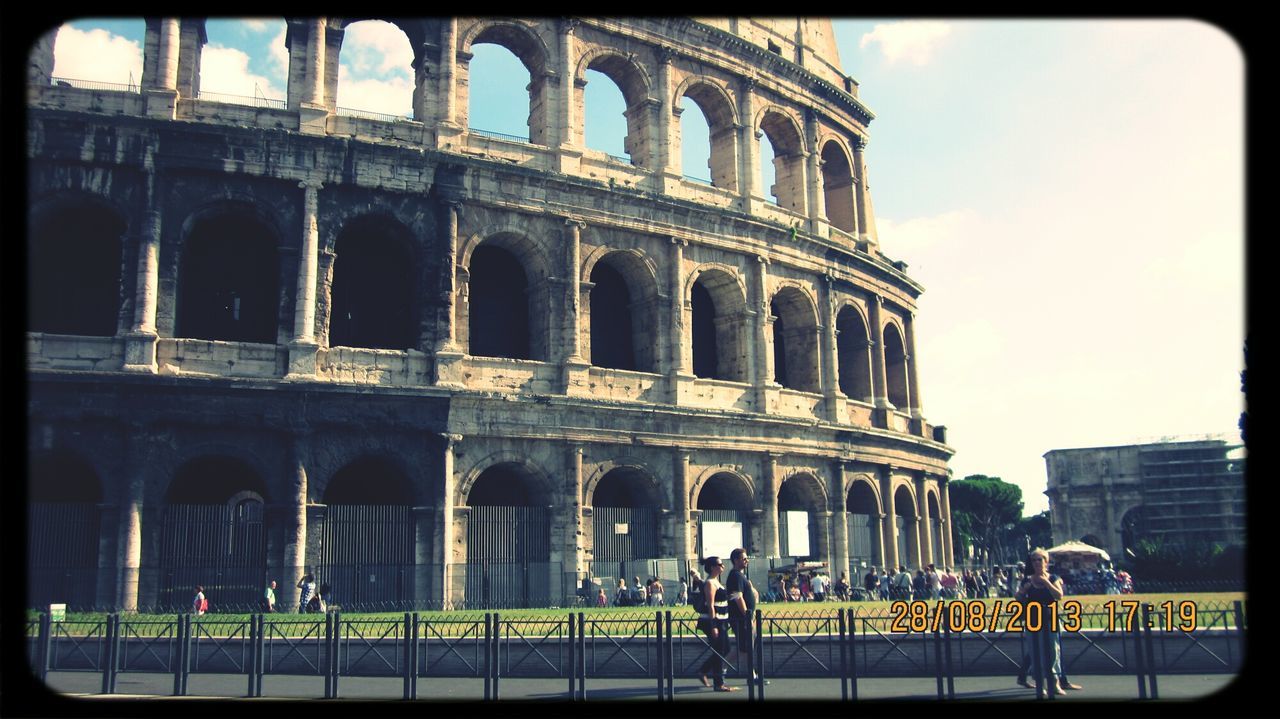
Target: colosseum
[{"x": 436, "y": 366}]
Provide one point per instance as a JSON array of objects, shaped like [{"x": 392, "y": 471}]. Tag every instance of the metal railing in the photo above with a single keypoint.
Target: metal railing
[
  {"x": 93, "y": 85},
  {"x": 249, "y": 100},
  {"x": 499, "y": 135},
  {"x": 845, "y": 645},
  {"x": 370, "y": 115}
]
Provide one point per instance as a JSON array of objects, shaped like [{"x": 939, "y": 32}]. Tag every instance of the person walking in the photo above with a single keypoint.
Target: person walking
[
  {"x": 714, "y": 623},
  {"x": 819, "y": 587},
  {"x": 269, "y": 598},
  {"x": 742, "y": 604},
  {"x": 306, "y": 587},
  {"x": 655, "y": 592},
  {"x": 199, "y": 604}
]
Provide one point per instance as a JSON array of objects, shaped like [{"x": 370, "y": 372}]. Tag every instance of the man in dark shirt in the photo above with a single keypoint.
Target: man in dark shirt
[{"x": 742, "y": 602}]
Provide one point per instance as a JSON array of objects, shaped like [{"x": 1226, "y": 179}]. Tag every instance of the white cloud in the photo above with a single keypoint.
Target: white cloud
[
  {"x": 913, "y": 41},
  {"x": 375, "y": 48},
  {"x": 96, "y": 55},
  {"x": 393, "y": 97},
  {"x": 279, "y": 51},
  {"x": 226, "y": 70}
]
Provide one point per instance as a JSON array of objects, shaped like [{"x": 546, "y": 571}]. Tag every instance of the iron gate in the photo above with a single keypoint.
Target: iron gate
[
  {"x": 62, "y": 554},
  {"x": 367, "y": 555},
  {"x": 508, "y": 557},
  {"x": 638, "y": 538},
  {"x": 221, "y": 547},
  {"x": 864, "y": 541}
]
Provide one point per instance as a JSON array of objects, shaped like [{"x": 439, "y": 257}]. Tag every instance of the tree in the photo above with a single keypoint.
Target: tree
[{"x": 982, "y": 509}]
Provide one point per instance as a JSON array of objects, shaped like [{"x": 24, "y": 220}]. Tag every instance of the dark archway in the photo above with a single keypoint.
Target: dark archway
[
  {"x": 74, "y": 269},
  {"x": 724, "y": 499},
  {"x": 229, "y": 282},
  {"x": 837, "y": 187},
  {"x": 795, "y": 341},
  {"x": 64, "y": 520},
  {"x": 625, "y": 510},
  {"x": 865, "y": 536},
  {"x": 718, "y": 309},
  {"x": 509, "y": 540},
  {"x": 904, "y": 507},
  {"x": 895, "y": 367},
  {"x": 853, "y": 350},
  {"x": 368, "y": 539},
  {"x": 374, "y": 273},
  {"x": 612, "y": 341},
  {"x": 499, "y": 305},
  {"x": 800, "y": 499}
]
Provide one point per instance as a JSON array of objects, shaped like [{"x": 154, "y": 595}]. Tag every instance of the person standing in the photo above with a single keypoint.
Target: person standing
[
  {"x": 199, "y": 605},
  {"x": 871, "y": 583},
  {"x": 655, "y": 592},
  {"x": 714, "y": 623},
  {"x": 269, "y": 598},
  {"x": 902, "y": 583},
  {"x": 743, "y": 597},
  {"x": 1042, "y": 588},
  {"x": 306, "y": 587},
  {"x": 842, "y": 588},
  {"x": 819, "y": 587},
  {"x": 682, "y": 597}
]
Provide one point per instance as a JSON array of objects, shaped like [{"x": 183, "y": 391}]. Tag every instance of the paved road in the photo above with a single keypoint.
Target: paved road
[{"x": 134, "y": 685}]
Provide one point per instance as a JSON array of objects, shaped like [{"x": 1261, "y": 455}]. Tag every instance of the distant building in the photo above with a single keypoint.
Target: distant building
[{"x": 1176, "y": 491}]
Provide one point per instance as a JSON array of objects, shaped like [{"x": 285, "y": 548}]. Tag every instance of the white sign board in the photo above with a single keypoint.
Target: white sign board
[
  {"x": 720, "y": 538},
  {"x": 798, "y": 534},
  {"x": 619, "y": 528}
]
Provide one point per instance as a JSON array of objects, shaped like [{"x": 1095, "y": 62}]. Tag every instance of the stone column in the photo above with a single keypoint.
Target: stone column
[
  {"x": 769, "y": 480},
  {"x": 948, "y": 551},
  {"x": 447, "y": 550},
  {"x": 140, "y": 342},
  {"x": 679, "y": 374},
  {"x": 839, "y": 509},
  {"x": 448, "y": 355},
  {"x": 129, "y": 561},
  {"x": 817, "y": 199},
  {"x": 837, "y": 410},
  {"x": 303, "y": 347},
  {"x": 680, "y": 495},
  {"x": 749, "y": 143},
  {"x": 568, "y": 123},
  {"x": 162, "y": 94},
  {"x": 862, "y": 199},
  {"x": 295, "y": 530},
  {"x": 667, "y": 150},
  {"x": 926, "y": 529},
  {"x": 575, "y": 551},
  {"x": 913, "y": 379},
  {"x": 890, "y": 525},
  {"x": 760, "y": 355},
  {"x": 574, "y": 368},
  {"x": 879, "y": 380},
  {"x": 313, "y": 110}
]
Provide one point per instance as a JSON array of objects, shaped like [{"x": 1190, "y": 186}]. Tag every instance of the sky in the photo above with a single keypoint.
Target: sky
[{"x": 1069, "y": 193}]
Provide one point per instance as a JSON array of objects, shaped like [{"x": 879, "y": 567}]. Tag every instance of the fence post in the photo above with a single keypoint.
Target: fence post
[
  {"x": 759, "y": 649},
  {"x": 657, "y": 620},
  {"x": 750, "y": 661},
  {"x": 44, "y": 645},
  {"x": 946, "y": 651},
  {"x": 184, "y": 655},
  {"x": 406, "y": 656},
  {"x": 413, "y": 656},
  {"x": 261, "y": 650},
  {"x": 573, "y": 660},
  {"x": 1138, "y": 663},
  {"x": 937, "y": 656},
  {"x": 1151, "y": 655},
  {"x": 580, "y": 669},
  {"x": 671, "y": 661},
  {"x": 253, "y": 654},
  {"x": 853, "y": 653},
  {"x": 328, "y": 656},
  {"x": 488, "y": 656},
  {"x": 841, "y": 647},
  {"x": 497, "y": 655},
  {"x": 337, "y": 651},
  {"x": 108, "y": 652}
]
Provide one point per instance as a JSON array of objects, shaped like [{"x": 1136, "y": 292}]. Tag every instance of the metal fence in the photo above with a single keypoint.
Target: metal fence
[{"x": 583, "y": 649}]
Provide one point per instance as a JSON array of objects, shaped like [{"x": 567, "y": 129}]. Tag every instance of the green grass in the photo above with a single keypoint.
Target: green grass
[{"x": 790, "y": 617}]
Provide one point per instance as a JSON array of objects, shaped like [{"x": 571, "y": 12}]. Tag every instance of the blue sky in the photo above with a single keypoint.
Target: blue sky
[{"x": 1070, "y": 194}]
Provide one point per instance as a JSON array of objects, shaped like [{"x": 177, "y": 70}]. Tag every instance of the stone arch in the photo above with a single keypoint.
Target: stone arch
[
  {"x": 787, "y": 139},
  {"x": 65, "y": 492},
  {"x": 375, "y": 289},
  {"x": 652, "y": 490},
  {"x": 622, "y": 310},
  {"x": 527, "y": 44},
  {"x": 229, "y": 275},
  {"x": 63, "y": 477},
  {"x": 838, "y": 185},
  {"x": 806, "y": 491},
  {"x": 632, "y": 80},
  {"x": 895, "y": 365},
  {"x": 214, "y": 478},
  {"x": 863, "y": 506},
  {"x": 507, "y": 312},
  {"x": 623, "y": 492},
  {"x": 801, "y": 499},
  {"x": 899, "y": 488},
  {"x": 853, "y": 352},
  {"x": 371, "y": 478},
  {"x": 717, "y": 104},
  {"x": 718, "y": 320},
  {"x": 866, "y": 486},
  {"x": 77, "y": 272},
  {"x": 795, "y": 338},
  {"x": 737, "y": 487},
  {"x": 534, "y": 480}
]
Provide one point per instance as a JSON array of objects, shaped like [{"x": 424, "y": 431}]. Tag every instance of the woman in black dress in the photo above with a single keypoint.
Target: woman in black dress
[{"x": 714, "y": 623}]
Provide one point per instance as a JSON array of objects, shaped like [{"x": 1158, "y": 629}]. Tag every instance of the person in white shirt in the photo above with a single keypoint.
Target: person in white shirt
[{"x": 819, "y": 587}]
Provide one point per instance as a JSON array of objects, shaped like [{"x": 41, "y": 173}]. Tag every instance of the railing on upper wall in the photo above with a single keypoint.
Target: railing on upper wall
[
  {"x": 93, "y": 85},
  {"x": 369, "y": 115},
  {"x": 498, "y": 135},
  {"x": 250, "y": 100}
]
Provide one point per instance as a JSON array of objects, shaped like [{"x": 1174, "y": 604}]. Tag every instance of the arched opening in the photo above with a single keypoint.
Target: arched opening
[
  {"x": 63, "y": 528},
  {"x": 213, "y": 534},
  {"x": 605, "y": 116},
  {"x": 373, "y": 294},
  {"x": 800, "y": 504},
  {"x": 795, "y": 341},
  {"x": 368, "y": 536},
  {"x": 100, "y": 50},
  {"x": 625, "y": 511},
  {"x": 718, "y": 312},
  {"x": 853, "y": 348},
  {"x": 623, "y": 316},
  {"x": 708, "y": 136},
  {"x": 725, "y": 504},
  {"x": 509, "y": 540},
  {"x": 895, "y": 367},
  {"x": 864, "y": 527},
  {"x": 229, "y": 280},
  {"x": 837, "y": 187},
  {"x": 246, "y": 62},
  {"x": 935, "y": 527},
  {"x": 506, "y": 63},
  {"x": 375, "y": 69},
  {"x": 499, "y": 307},
  {"x": 787, "y": 153},
  {"x": 904, "y": 506},
  {"x": 74, "y": 269}
]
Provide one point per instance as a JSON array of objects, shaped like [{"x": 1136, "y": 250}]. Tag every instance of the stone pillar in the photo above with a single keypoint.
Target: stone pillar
[
  {"x": 575, "y": 550},
  {"x": 565, "y": 129},
  {"x": 913, "y": 379},
  {"x": 140, "y": 342},
  {"x": 130, "y": 525},
  {"x": 162, "y": 93},
  {"x": 769, "y": 480},
  {"x": 836, "y": 410},
  {"x": 680, "y": 493},
  {"x": 295, "y": 530},
  {"x": 917, "y": 552},
  {"x": 889, "y": 520},
  {"x": 760, "y": 355},
  {"x": 449, "y": 548},
  {"x": 574, "y": 368},
  {"x": 314, "y": 110},
  {"x": 303, "y": 347},
  {"x": 926, "y": 529},
  {"x": 448, "y": 354},
  {"x": 948, "y": 551},
  {"x": 668, "y": 166},
  {"x": 824, "y": 550},
  {"x": 862, "y": 199},
  {"x": 879, "y": 380},
  {"x": 839, "y": 509},
  {"x": 679, "y": 373},
  {"x": 748, "y": 142},
  {"x": 813, "y": 172}
]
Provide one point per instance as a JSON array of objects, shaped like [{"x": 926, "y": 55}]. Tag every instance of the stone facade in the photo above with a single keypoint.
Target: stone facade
[
  {"x": 234, "y": 330},
  {"x": 1175, "y": 491}
]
